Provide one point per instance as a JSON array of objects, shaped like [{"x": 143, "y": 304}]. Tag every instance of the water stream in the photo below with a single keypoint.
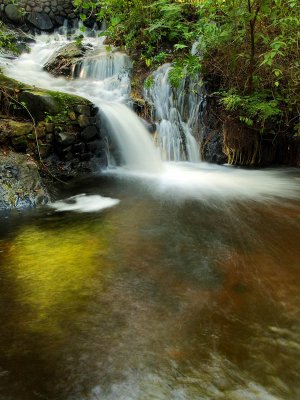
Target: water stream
[
  {"x": 185, "y": 286},
  {"x": 177, "y": 112},
  {"x": 103, "y": 78}
]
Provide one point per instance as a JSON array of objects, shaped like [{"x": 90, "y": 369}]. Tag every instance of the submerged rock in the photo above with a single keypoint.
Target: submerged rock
[{"x": 20, "y": 182}]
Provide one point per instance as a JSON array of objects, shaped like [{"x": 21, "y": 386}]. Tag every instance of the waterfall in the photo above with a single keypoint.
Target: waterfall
[
  {"x": 102, "y": 65},
  {"x": 176, "y": 113},
  {"x": 138, "y": 151},
  {"x": 104, "y": 79}
]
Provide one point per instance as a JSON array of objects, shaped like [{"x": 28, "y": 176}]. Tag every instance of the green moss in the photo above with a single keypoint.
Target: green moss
[
  {"x": 20, "y": 128},
  {"x": 43, "y": 105},
  {"x": 68, "y": 101},
  {"x": 9, "y": 83},
  {"x": 9, "y": 40},
  {"x": 64, "y": 101}
]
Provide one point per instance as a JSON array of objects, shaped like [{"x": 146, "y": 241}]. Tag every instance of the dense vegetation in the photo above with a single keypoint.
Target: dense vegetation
[
  {"x": 8, "y": 40},
  {"x": 248, "y": 50}
]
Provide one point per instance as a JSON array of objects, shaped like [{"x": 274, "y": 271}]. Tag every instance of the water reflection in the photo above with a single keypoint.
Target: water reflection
[{"x": 152, "y": 300}]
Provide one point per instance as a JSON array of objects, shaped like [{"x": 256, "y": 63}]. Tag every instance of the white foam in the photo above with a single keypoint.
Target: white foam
[
  {"x": 206, "y": 181},
  {"x": 84, "y": 203}
]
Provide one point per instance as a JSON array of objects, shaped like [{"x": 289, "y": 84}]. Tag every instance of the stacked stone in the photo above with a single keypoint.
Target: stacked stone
[
  {"x": 42, "y": 14},
  {"x": 63, "y": 8},
  {"x": 74, "y": 135}
]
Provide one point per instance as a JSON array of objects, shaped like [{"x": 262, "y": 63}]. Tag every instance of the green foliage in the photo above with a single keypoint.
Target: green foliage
[
  {"x": 188, "y": 65},
  {"x": 252, "y": 108},
  {"x": 176, "y": 74},
  {"x": 8, "y": 40},
  {"x": 248, "y": 50},
  {"x": 145, "y": 27},
  {"x": 149, "y": 82}
]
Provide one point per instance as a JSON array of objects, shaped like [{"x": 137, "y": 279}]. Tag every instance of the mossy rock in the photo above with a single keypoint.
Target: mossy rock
[
  {"x": 41, "y": 103},
  {"x": 18, "y": 128},
  {"x": 14, "y": 13},
  {"x": 15, "y": 132}
]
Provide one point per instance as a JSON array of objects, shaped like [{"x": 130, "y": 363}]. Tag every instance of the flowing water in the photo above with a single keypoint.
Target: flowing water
[
  {"x": 103, "y": 79},
  {"x": 152, "y": 280},
  {"x": 177, "y": 113}
]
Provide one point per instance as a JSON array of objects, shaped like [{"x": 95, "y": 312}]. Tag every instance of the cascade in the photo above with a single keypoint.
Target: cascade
[
  {"x": 176, "y": 113},
  {"x": 102, "y": 64},
  {"x": 103, "y": 78},
  {"x": 138, "y": 151}
]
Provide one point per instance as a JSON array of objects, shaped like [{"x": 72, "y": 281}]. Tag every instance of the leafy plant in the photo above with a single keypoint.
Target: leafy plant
[{"x": 248, "y": 50}]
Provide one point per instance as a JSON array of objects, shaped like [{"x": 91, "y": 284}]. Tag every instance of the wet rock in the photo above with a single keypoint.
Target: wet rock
[
  {"x": 13, "y": 13},
  {"x": 45, "y": 149},
  {"x": 66, "y": 139},
  {"x": 86, "y": 156},
  {"x": 212, "y": 148},
  {"x": 67, "y": 153},
  {"x": 89, "y": 133},
  {"x": 40, "y": 20},
  {"x": 151, "y": 127},
  {"x": 79, "y": 148},
  {"x": 19, "y": 143},
  {"x": 84, "y": 110},
  {"x": 84, "y": 121},
  {"x": 16, "y": 128},
  {"x": 40, "y": 130},
  {"x": 94, "y": 147},
  {"x": 49, "y": 127},
  {"x": 63, "y": 60},
  {"x": 72, "y": 115},
  {"x": 39, "y": 103},
  {"x": 15, "y": 133},
  {"x": 58, "y": 20},
  {"x": 20, "y": 182}
]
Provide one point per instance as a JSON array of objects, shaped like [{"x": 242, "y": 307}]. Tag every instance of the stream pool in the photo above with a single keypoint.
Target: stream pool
[{"x": 177, "y": 291}]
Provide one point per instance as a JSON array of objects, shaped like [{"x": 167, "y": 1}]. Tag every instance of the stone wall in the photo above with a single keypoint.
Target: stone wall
[
  {"x": 40, "y": 14},
  {"x": 66, "y": 133}
]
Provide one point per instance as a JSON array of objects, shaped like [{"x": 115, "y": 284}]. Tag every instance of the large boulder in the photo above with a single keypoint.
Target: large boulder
[
  {"x": 14, "y": 13},
  {"x": 20, "y": 182},
  {"x": 39, "y": 103},
  {"x": 40, "y": 20},
  {"x": 63, "y": 60}
]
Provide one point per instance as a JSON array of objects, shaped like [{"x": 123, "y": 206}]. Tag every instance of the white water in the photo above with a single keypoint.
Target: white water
[
  {"x": 136, "y": 154},
  {"x": 84, "y": 203},
  {"x": 102, "y": 64},
  {"x": 172, "y": 180},
  {"x": 104, "y": 80},
  {"x": 176, "y": 112},
  {"x": 209, "y": 182}
]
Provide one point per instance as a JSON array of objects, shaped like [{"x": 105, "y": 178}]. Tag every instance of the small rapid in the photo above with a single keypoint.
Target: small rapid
[
  {"x": 177, "y": 112},
  {"x": 103, "y": 77}
]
